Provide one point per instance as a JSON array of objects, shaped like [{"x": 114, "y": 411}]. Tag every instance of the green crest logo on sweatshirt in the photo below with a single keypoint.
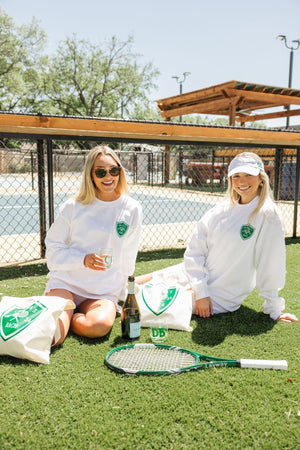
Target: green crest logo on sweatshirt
[
  {"x": 246, "y": 231},
  {"x": 122, "y": 228},
  {"x": 16, "y": 319}
]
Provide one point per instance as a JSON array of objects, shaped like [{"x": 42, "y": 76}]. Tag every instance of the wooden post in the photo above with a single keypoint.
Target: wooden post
[{"x": 232, "y": 110}]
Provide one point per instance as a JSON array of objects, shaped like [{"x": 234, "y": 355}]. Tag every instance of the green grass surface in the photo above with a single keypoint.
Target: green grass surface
[{"x": 76, "y": 402}]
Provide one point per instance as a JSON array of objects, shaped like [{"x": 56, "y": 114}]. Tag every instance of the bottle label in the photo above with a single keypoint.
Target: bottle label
[{"x": 135, "y": 330}]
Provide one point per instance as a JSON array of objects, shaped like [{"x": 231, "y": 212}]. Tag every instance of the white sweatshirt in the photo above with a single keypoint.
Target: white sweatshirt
[
  {"x": 82, "y": 229},
  {"x": 226, "y": 259}
]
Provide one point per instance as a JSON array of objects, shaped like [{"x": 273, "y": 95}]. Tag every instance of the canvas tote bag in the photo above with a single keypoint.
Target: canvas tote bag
[
  {"x": 167, "y": 295},
  {"x": 27, "y": 326}
]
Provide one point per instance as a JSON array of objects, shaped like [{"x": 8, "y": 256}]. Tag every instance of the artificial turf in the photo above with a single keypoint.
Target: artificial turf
[{"x": 76, "y": 402}]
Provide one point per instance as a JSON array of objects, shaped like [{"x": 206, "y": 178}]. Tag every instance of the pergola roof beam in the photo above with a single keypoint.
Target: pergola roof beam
[{"x": 274, "y": 115}]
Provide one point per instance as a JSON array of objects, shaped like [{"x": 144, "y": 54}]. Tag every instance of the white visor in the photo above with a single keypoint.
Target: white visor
[{"x": 245, "y": 164}]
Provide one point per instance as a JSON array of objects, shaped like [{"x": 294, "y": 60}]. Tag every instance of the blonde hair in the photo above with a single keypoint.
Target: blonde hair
[
  {"x": 87, "y": 191},
  {"x": 263, "y": 188}
]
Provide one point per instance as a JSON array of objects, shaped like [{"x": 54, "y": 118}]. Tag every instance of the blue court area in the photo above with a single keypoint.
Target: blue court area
[{"x": 19, "y": 214}]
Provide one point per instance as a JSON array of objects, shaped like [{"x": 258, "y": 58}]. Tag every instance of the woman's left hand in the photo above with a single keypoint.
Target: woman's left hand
[{"x": 287, "y": 318}]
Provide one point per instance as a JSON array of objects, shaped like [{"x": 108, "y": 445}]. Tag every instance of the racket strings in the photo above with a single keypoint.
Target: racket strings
[{"x": 151, "y": 359}]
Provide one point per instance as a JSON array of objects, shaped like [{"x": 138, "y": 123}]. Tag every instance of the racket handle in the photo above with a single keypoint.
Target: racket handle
[{"x": 262, "y": 364}]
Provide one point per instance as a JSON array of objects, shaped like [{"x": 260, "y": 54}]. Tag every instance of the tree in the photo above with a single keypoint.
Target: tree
[
  {"x": 199, "y": 119},
  {"x": 84, "y": 79},
  {"x": 146, "y": 110},
  {"x": 20, "y": 60}
]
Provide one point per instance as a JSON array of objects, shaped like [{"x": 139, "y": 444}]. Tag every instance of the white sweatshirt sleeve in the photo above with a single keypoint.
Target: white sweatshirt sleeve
[
  {"x": 194, "y": 261},
  {"x": 59, "y": 254},
  {"x": 270, "y": 265},
  {"x": 132, "y": 243},
  {"x": 130, "y": 250}
]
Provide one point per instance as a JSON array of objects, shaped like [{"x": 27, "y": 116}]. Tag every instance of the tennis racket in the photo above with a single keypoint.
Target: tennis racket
[{"x": 158, "y": 359}]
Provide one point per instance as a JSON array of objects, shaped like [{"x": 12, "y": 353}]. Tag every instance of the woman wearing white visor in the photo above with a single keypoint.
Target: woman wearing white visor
[{"x": 239, "y": 245}]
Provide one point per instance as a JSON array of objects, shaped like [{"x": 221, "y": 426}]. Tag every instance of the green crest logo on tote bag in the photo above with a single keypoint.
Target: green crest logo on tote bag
[
  {"x": 14, "y": 320},
  {"x": 122, "y": 227},
  {"x": 246, "y": 231},
  {"x": 160, "y": 300}
]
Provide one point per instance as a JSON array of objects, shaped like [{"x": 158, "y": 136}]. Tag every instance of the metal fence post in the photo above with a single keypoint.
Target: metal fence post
[
  {"x": 167, "y": 165},
  {"x": 150, "y": 168},
  {"x": 212, "y": 175},
  {"x": 180, "y": 167},
  {"x": 163, "y": 170},
  {"x": 42, "y": 200},
  {"x": 297, "y": 180},
  {"x": 50, "y": 181},
  {"x": 135, "y": 162},
  {"x": 32, "y": 170},
  {"x": 277, "y": 171}
]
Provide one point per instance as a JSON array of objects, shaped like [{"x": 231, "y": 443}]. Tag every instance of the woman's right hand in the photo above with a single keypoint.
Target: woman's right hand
[
  {"x": 94, "y": 262},
  {"x": 204, "y": 307}
]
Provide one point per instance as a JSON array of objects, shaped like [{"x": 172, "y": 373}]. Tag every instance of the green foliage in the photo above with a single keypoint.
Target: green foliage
[
  {"x": 84, "y": 79},
  {"x": 20, "y": 62},
  {"x": 145, "y": 110},
  {"x": 76, "y": 402},
  {"x": 213, "y": 121},
  {"x": 81, "y": 78}
]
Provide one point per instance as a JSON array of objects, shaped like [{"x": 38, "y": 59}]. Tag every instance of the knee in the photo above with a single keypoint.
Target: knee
[
  {"x": 105, "y": 327},
  {"x": 62, "y": 327},
  {"x": 87, "y": 327},
  {"x": 63, "y": 293},
  {"x": 101, "y": 328}
]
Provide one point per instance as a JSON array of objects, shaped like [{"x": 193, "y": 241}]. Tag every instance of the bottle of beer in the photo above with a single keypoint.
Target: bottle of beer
[{"x": 130, "y": 314}]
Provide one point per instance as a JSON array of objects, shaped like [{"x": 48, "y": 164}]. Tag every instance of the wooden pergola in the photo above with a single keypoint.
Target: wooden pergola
[{"x": 238, "y": 100}]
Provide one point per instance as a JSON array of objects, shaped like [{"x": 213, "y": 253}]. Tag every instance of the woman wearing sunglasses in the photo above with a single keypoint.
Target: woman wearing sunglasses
[{"x": 102, "y": 215}]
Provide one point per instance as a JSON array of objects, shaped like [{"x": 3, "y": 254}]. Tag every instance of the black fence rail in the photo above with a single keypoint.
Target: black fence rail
[{"x": 175, "y": 187}]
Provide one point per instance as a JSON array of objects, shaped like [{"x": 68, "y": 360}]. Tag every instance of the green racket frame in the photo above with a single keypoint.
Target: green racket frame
[
  {"x": 209, "y": 361},
  {"x": 200, "y": 361}
]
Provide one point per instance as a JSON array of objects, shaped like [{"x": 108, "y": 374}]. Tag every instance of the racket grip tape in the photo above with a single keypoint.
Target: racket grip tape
[{"x": 262, "y": 364}]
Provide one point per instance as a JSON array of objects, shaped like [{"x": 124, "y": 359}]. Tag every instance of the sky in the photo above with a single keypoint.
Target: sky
[{"x": 215, "y": 40}]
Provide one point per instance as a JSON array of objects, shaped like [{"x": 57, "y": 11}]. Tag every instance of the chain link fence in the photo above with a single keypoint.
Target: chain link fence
[{"x": 175, "y": 186}]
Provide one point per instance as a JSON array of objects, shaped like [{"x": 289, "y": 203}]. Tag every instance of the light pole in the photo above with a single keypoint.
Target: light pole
[
  {"x": 281, "y": 37},
  {"x": 180, "y": 82}
]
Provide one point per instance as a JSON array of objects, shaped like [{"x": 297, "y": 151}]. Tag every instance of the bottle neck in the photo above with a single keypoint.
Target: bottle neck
[{"x": 130, "y": 287}]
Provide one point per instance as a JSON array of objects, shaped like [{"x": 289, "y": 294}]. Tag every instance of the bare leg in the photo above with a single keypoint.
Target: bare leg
[
  {"x": 64, "y": 319},
  {"x": 94, "y": 319}
]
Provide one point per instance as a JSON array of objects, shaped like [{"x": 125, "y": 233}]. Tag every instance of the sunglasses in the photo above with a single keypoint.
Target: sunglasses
[{"x": 114, "y": 172}]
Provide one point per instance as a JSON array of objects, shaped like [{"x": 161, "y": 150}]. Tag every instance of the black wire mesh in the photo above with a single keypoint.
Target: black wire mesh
[{"x": 175, "y": 189}]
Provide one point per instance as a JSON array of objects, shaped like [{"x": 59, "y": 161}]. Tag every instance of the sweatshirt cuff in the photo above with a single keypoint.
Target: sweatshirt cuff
[
  {"x": 273, "y": 307},
  {"x": 200, "y": 291}
]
